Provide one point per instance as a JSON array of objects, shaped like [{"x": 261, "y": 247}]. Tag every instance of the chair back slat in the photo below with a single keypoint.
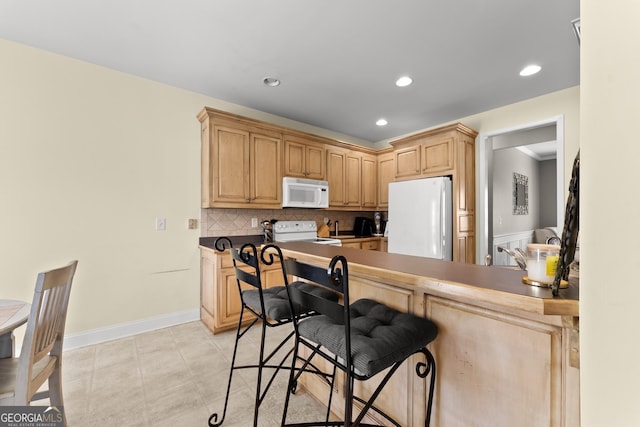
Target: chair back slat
[
  {"x": 317, "y": 304},
  {"x": 45, "y": 326},
  {"x": 248, "y": 277},
  {"x": 49, "y": 320},
  {"x": 335, "y": 278},
  {"x": 312, "y": 273}
]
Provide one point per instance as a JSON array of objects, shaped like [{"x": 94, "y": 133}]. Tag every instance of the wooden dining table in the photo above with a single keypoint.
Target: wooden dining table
[{"x": 13, "y": 313}]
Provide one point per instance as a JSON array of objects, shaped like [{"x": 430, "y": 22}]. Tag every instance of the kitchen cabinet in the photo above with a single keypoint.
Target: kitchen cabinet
[
  {"x": 369, "y": 181},
  {"x": 425, "y": 157},
  {"x": 345, "y": 177},
  {"x": 220, "y": 303},
  {"x": 386, "y": 174},
  {"x": 445, "y": 151},
  {"x": 304, "y": 158},
  {"x": 348, "y": 244},
  {"x": 366, "y": 243},
  {"x": 241, "y": 163}
]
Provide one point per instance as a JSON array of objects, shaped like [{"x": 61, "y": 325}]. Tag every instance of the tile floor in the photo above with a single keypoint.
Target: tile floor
[{"x": 171, "y": 377}]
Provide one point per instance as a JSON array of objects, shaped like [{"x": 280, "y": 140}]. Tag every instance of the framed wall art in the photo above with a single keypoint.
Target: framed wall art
[{"x": 520, "y": 194}]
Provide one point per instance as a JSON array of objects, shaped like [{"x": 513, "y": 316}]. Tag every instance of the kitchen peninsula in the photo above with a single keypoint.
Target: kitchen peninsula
[{"x": 506, "y": 354}]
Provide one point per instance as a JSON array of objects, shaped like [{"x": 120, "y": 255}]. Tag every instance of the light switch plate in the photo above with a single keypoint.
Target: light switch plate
[{"x": 161, "y": 224}]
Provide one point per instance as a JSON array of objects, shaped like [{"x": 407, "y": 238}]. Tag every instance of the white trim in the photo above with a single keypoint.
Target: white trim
[
  {"x": 482, "y": 229},
  {"x": 109, "y": 333},
  {"x": 511, "y": 237}
]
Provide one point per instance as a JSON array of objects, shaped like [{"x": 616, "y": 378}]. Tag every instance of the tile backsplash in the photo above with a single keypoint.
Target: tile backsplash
[{"x": 237, "y": 222}]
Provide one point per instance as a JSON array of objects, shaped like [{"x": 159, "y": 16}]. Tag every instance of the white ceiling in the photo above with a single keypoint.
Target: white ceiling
[{"x": 337, "y": 60}]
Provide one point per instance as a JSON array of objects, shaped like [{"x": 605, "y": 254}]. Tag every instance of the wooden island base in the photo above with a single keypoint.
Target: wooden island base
[{"x": 506, "y": 354}]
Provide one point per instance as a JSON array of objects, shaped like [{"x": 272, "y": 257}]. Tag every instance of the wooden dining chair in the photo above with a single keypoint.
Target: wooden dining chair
[{"x": 41, "y": 355}]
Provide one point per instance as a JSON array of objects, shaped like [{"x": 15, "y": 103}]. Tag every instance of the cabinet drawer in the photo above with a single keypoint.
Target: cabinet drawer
[
  {"x": 351, "y": 245},
  {"x": 372, "y": 246}
]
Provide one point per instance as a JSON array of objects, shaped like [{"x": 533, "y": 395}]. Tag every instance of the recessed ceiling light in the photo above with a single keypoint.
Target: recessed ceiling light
[
  {"x": 381, "y": 122},
  {"x": 271, "y": 81},
  {"x": 530, "y": 70},
  {"x": 404, "y": 81}
]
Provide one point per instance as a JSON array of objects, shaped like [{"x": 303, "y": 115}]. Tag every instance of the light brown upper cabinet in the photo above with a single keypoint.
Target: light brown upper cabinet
[
  {"x": 386, "y": 174},
  {"x": 304, "y": 158},
  {"x": 344, "y": 173},
  {"x": 369, "y": 192},
  {"x": 241, "y": 163},
  {"x": 425, "y": 156}
]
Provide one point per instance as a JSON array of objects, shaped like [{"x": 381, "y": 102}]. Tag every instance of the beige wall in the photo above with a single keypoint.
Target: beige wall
[
  {"x": 609, "y": 205},
  {"x": 89, "y": 157}
]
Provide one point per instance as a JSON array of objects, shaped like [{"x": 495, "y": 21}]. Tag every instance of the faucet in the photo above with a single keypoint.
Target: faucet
[
  {"x": 517, "y": 255},
  {"x": 336, "y": 226}
]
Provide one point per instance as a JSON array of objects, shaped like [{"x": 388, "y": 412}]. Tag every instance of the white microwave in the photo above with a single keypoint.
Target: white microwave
[{"x": 304, "y": 193}]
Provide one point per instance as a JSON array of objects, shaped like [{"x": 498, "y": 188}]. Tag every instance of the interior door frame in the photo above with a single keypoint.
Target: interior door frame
[{"x": 485, "y": 177}]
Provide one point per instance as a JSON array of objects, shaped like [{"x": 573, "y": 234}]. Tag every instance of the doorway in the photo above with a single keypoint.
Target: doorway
[{"x": 546, "y": 134}]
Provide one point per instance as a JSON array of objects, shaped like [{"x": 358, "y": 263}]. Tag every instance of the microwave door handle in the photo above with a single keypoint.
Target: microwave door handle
[{"x": 318, "y": 196}]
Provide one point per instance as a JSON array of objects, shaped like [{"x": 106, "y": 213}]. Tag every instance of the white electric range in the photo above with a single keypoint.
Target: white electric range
[{"x": 300, "y": 231}]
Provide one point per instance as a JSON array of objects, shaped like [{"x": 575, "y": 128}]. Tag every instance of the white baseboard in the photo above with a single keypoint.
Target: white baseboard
[{"x": 109, "y": 333}]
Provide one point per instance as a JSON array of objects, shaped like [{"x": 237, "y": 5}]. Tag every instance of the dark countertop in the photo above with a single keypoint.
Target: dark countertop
[
  {"x": 490, "y": 283},
  {"x": 256, "y": 239}
]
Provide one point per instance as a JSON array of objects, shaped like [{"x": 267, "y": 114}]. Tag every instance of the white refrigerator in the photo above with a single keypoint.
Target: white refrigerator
[{"x": 420, "y": 215}]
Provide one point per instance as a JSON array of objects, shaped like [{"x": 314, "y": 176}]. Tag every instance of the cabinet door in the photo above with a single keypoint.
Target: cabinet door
[
  {"x": 230, "y": 155},
  {"x": 344, "y": 174},
  {"x": 386, "y": 174},
  {"x": 369, "y": 181},
  {"x": 353, "y": 174},
  {"x": 272, "y": 276},
  {"x": 294, "y": 159},
  {"x": 437, "y": 156},
  {"x": 207, "y": 288},
  {"x": 336, "y": 160},
  {"x": 266, "y": 167},
  {"x": 315, "y": 158},
  {"x": 304, "y": 159},
  {"x": 228, "y": 300},
  {"x": 407, "y": 161}
]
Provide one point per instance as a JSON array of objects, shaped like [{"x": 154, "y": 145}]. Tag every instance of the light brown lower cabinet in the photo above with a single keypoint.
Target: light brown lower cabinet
[
  {"x": 366, "y": 243},
  {"x": 219, "y": 299}
]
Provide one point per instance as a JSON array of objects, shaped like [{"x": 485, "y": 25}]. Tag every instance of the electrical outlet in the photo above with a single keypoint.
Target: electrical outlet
[
  {"x": 192, "y": 223},
  {"x": 254, "y": 222},
  {"x": 161, "y": 224}
]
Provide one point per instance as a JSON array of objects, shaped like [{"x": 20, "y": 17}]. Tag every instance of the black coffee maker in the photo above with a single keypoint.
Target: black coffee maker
[{"x": 363, "y": 227}]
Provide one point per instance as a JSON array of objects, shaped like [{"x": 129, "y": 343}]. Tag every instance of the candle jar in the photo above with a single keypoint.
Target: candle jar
[{"x": 542, "y": 261}]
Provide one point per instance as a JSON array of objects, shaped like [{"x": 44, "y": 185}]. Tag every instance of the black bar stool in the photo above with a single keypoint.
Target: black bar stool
[
  {"x": 270, "y": 308},
  {"x": 360, "y": 338}
]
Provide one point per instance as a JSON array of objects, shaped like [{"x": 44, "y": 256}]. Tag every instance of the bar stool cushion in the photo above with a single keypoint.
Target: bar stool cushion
[
  {"x": 380, "y": 335},
  {"x": 276, "y": 301}
]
